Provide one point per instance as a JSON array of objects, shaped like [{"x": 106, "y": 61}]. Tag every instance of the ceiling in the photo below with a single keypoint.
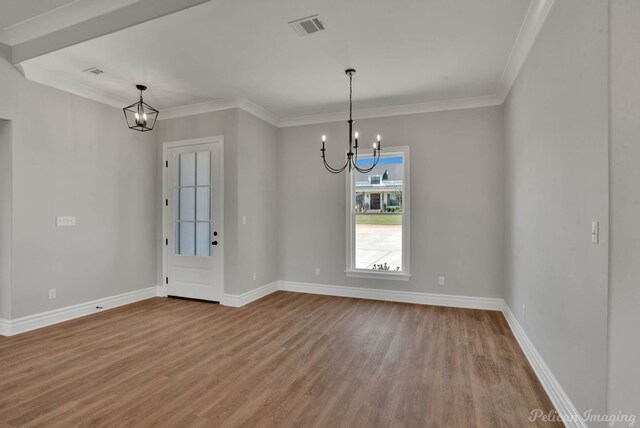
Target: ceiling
[{"x": 405, "y": 51}]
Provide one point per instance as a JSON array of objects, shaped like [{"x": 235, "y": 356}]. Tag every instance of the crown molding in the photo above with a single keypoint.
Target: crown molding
[
  {"x": 534, "y": 20},
  {"x": 219, "y": 105},
  {"x": 429, "y": 107},
  {"x": 267, "y": 116},
  {"x": 531, "y": 26},
  {"x": 200, "y": 108},
  {"x": 260, "y": 112}
]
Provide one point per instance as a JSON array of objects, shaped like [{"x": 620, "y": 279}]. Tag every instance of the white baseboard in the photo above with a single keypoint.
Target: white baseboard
[
  {"x": 395, "y": 296},
  {"x": 5, "y": 327},
  {"x": 32, "y": 322},
  {"x": 237, "y": 300},
  {"x": 559, "y": 398}
]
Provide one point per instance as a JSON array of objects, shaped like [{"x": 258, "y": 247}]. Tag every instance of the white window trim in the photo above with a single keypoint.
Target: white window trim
[{"x": 351, "y": 271}]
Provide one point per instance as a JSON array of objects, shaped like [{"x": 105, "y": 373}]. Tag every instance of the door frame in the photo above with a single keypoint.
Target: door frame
[{"x": 166, "y": 227}]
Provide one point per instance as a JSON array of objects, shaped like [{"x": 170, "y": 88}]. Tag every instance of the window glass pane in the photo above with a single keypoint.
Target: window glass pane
[
  {"x": 187, "y": 203},
  {"x": 186, "y": 238},
  {"x": 187, "y": 169},
  {"x": 203, "y": 242},
  {"x": 204, "y": 169},
  {"x": 377, "y": 207},
  {"x": 203, "y": 203}
]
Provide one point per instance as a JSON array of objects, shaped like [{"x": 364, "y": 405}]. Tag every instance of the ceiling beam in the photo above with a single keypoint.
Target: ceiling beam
[{"x": 119, "y": 19}]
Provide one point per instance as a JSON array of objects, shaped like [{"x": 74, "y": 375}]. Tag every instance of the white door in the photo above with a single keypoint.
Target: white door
[{"x": 194, "y": 206}]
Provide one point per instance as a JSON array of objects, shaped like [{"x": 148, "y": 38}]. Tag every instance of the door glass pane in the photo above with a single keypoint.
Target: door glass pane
[
  {"x": 192, "y": 203},
  {"x": 203, "y": 242},
  {"x": 187, "y": 202},
  {"x": 186, "y": 239},
  {"x": 204, "y": 168},
  {"x": 187, "y": 169},
  {"x": 176, "y": 237},
  {"x": 176, "y": 170},
  {"x": 203, "y": 200},
  {"x": 377, "y": 207}
]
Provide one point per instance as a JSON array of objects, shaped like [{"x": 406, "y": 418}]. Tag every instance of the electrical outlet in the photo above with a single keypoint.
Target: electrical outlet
[
  {"x": 52, "y": 293},
  {"x": 244, "y": 219},
  {"x": 441, "y": 280},
  {"x": 254, "y": 276},
  {"x": 524, "y": 309},
  {"x": 317, "y": 271}
]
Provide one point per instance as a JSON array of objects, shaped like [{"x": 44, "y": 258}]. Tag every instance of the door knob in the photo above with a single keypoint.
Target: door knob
[{"x": 214, "y": 243}]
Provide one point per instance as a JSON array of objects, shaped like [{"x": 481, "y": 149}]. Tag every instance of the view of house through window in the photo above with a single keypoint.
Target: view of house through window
[{"x": 378, "y": 212}]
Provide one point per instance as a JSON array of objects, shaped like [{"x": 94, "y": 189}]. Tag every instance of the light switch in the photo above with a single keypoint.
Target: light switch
[
  {"x": 244, "y": 219},
  {"x": 595, "y": 232},
  {"x": 66, "y": 220}
]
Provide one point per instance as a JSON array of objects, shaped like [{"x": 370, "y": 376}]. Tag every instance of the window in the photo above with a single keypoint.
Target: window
[{"x": 378, "y": 217}]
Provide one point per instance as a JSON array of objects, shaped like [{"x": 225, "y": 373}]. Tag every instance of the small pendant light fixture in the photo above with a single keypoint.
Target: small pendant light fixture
[
  {"x": 352, "y": 154},
  {"x": 140, "y": 115}
]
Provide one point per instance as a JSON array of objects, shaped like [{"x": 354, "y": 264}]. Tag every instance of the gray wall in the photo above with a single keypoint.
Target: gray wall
[
  {"x": 72, "y": 156},
  {"x": 457, "y": 201},
  {"x": 250, "y": 189},
  {"x": 624, "y": 288},
  {"x": 258, "y": 166},
  {"x": 556, "y": 126},
  {"x": 5, "y": 218}
]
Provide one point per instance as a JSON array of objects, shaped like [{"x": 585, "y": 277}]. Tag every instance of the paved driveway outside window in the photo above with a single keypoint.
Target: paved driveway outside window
[{"x": 378, "y": 244}]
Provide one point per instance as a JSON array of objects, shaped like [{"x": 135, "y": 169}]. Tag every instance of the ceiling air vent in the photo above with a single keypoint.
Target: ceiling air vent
[
  {"x": 308, "y": 25},
  {"x": 93, "y": 70}
]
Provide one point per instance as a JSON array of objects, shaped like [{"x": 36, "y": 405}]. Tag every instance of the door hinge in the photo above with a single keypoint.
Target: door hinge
[
  {"x": 166, "y": 202},
  {"x": 166, "y": 280},
  {"x": 166, "y": 164},
  {"x": 166, "y": 241}
]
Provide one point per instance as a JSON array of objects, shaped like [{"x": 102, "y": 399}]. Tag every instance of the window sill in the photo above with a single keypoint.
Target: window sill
[{"x": 390, "y": 276}]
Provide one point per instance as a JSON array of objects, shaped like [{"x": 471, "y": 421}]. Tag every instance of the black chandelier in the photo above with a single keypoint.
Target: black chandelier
[
  {"x": 140, "y": 115},
  {"x": 352, "y": 154}
]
